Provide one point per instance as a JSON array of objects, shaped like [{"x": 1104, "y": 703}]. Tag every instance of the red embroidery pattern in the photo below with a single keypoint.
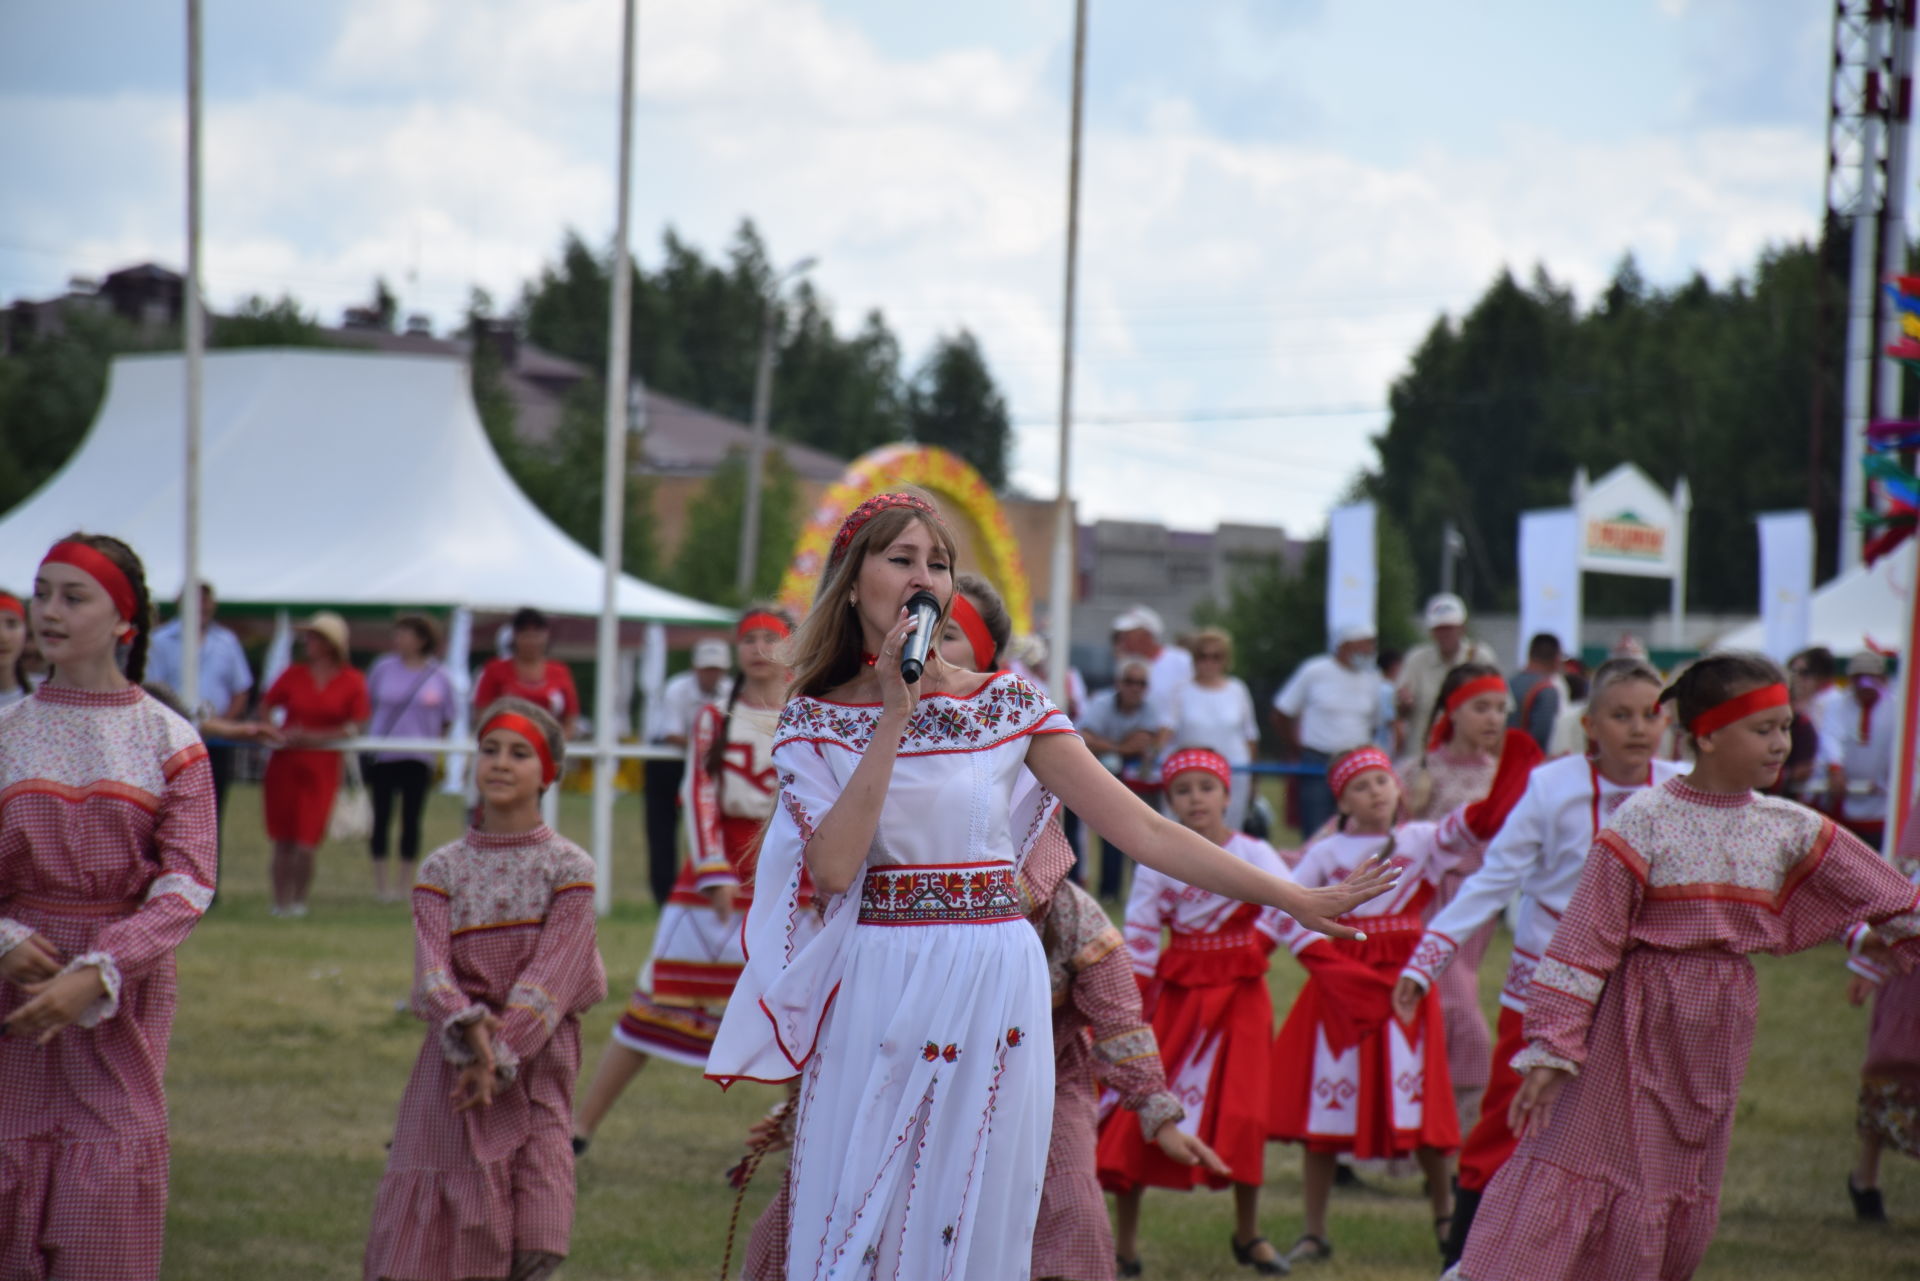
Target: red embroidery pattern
[
  {"x": 1004, "y": 708},
  {"x": 1014, "y": 1036},
  {"x": 1432, "y": 955},
  {"x": 970, "y": 894}
]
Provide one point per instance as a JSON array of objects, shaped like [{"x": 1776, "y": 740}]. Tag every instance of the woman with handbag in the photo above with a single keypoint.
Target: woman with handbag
[
  {"x": 324, "y": 698},
  {"x": 412, "y": 697}
]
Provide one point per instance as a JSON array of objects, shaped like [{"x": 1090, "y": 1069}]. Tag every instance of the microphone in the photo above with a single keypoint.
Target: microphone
[{"x": 925, "y": 607}]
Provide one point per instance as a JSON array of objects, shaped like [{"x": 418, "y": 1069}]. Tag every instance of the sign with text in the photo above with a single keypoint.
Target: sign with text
[{"x": 1628, "y": 525}]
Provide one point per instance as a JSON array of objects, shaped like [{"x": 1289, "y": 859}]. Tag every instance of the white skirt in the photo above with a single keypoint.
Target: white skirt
[{"x": 926, "y": 1112}]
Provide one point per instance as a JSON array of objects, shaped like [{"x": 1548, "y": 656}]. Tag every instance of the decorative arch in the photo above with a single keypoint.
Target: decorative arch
[{"x": 961, "y": 492}]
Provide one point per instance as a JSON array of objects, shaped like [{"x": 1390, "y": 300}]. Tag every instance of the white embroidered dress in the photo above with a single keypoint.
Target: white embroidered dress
[{"x": 918, "y": 1016}]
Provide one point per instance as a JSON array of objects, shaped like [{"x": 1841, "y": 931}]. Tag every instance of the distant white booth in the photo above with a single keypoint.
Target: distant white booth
[
  {"x": 330, "y": 478},
  {"x": 1866, "y": 607}
]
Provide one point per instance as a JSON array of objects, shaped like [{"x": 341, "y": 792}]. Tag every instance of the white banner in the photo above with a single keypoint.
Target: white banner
[
  {"x": 1786, "y": 582},
  {"x": 459, "y": 655},
  {"x": 1352, "y": 571},
  {"x": 1550, "y": 577}
]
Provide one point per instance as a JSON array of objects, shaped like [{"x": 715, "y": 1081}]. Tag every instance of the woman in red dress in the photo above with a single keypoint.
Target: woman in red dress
[
  {"x": 528, "y": 673},
  {"x": 324, "y": 698}
]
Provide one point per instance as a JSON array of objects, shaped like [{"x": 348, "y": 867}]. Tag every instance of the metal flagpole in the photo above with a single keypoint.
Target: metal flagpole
[
  {"x": 193, "y": 321},
  {"x": 1061, "y": 592},
  {"x": 613, "y": 490}
]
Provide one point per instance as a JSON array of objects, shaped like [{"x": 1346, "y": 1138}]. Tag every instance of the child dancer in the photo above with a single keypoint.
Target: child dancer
[
  {"x": 1889, "y": 1111},
  {"x": 13, "y": 650},
  {"x": 479, "y": 1183},
  {"x": 1640, "y": 1017},
  {"x": 1350, "y": 1077},
  {"x": 1462, "y": 752},
  {"x": 107, "y": 858},
  {"x": 1207, "y": 996},
  {"x": 1538, "y": 853},
  {"x": 728, "y": 794}
]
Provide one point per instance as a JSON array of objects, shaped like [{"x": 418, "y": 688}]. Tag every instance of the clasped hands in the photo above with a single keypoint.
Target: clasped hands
[{"x": 56, "y": 999}]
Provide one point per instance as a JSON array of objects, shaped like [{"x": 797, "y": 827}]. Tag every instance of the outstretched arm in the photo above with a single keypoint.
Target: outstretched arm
[{"x": 1063, "y": 763}]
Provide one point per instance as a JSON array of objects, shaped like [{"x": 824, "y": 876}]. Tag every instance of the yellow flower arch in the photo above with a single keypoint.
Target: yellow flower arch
[{"x": 960, "y": 490}]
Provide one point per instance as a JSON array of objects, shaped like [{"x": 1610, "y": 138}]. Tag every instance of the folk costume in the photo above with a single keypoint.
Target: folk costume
[
  {"x": 1889, "y": 1107},
  {"x": 503, "y": 925},
  {"x": 1351, "y": 1077},
  {"x": 684, "y": 987},
  {"x": 1538, "y": 854},
  {"x": 1206, "y": 994},
  {"x": 916, "y": 1017},
  {"x": 1646, "y": 995},
  {"x": 108, "y": 850}
]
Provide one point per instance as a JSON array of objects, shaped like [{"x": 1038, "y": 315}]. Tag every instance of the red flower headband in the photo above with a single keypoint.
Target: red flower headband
[
  {"x": 10, "y": 604},
  {"x": 975, "y": 628},
  {"x": 1353, "y": 765},
  {"x": 514, "y": 723},
  {"x": 96, "y": 565},
  {"x": 1763, "y": 699},
  {"x": 761, "y": 621},
  {"x": 1443, "y": 723},
  {"x": 867, "y": 511},
  {"x": 1200, "y": 758}
]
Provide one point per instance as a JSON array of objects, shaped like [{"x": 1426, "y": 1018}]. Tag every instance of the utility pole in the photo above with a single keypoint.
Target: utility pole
[
  {"x": 193, "y": 321},
  {"x": 1059, "y": 655},
  {"x": 749, "y": 562}
]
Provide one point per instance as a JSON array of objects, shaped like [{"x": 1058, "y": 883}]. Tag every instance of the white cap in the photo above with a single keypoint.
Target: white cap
[
  {"x": 1140, "y": 616},
  {"x": 712, "y": 653},
  {"x": 1352, "y": 632},
  {"x": 1446, "y": 610},
  {"x": 1866, "y": 663}
]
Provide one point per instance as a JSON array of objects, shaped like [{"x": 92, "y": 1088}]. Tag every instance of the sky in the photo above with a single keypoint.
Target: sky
[{"x": 1279, "y": 197}]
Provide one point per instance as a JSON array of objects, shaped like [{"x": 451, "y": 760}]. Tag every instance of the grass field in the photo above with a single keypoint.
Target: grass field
[{"x": 289, "y": 1058}]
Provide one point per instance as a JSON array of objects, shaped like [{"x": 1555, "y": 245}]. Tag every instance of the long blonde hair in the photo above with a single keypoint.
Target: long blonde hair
[{"x": 825, "y": 650}]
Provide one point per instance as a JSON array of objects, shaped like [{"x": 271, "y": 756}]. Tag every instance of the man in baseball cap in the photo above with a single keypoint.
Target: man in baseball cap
[
  {"x": 1426, "y": 665},
  {"x": 1139, "y": 633}
]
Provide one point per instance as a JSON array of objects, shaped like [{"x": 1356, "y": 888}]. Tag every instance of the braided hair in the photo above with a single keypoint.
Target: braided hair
[{"x": 128, "y": 563}]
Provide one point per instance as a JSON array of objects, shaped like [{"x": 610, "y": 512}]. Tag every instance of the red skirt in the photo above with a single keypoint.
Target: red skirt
[
  {"x": 1350, "y": 1077},
  {"x": 298, "y": 791},
  {"x": 1214, "y": 1039},
  {"x": 1492, "y": 1141}
]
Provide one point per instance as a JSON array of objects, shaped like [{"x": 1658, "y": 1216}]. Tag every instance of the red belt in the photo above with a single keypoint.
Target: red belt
[
  {"x": 1211, "y": 942},
  {"x": 60, "y": 905},
  {"x": 1376, "y": 925},
  {"x": 942, "y": 894}
]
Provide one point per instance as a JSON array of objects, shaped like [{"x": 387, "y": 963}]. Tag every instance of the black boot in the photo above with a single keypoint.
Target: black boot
[
  {"x": 1868, "y": 1207},
  {"x": 1466, "y": 1204}
]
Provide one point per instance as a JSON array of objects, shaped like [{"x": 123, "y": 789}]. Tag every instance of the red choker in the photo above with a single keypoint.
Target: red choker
[{"x": 869, "y": 659}]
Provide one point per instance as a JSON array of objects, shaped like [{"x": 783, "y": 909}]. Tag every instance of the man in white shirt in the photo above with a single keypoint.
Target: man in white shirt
[
  {"x": 1329, "y": 705},
  {"x": 670, "y": 724},
  {"x": 1119, "y": 726},
  {"x": 1139, "y": 633},
  {"x": 225, "y": 682},
  {"x": 1427, "y": 664},
  {"x": 1861, "y": 731}
]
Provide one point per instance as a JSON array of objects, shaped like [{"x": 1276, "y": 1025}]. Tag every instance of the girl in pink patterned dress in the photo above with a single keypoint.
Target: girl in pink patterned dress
[
  {"x": 1462, "y": 752},
  {"x": 479, "y": 1184},
  {"x": 1889, "y": 1107},
  {"x": 1640, "y": 1017},
  {"x": 107, "y": 858}
]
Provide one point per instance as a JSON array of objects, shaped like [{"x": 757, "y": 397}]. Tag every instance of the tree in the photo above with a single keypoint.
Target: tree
[
  {"x": 955, "y": 404},
  {"x": 259, "y": 323},
  {"x": 707, "y": 567}
]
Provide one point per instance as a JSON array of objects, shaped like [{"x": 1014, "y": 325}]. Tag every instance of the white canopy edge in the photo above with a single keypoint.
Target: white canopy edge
[{"x": 1862, "y": 606}]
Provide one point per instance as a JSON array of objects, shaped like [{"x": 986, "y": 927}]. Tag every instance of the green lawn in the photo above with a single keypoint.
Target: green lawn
[{"x": 289, "y": 1058}]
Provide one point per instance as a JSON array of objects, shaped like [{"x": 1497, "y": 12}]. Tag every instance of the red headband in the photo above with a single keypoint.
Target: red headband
[
  {"x": 1200, "y": 758},
  {"x": 10, "y": 604},
  {"x": 514, "y": 723},
  {"x": 95, "y": 565},
  {"x": 761, "y": 621},
  {"x": 867, "y": 511},
  {"x": 984, "y": 650},
  {"x": 1443, "y": 724},
  {"x": 1353, "y": 765},
  {"x": 1738, "y": 709}
]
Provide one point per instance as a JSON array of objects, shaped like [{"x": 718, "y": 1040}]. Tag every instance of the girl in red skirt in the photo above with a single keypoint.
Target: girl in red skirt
[
  {"x": 1640, "y": 1017},
  {"x": 1206, "y": 996},
  {"x": 324, "y": 698},
  {"x": 1350, "y": 1076},
  {"x": 479, "y": 1181},
  {"x": 107, "y": 858}
]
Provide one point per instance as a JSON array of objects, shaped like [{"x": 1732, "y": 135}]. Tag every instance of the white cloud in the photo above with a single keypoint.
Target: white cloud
[{"x": 446, "y": 146}]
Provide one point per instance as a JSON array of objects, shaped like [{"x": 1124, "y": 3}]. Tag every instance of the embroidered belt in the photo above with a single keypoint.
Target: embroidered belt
[
  {"x": 1374, "y": 926},
  {"x": 61, "y": 905},
  {"x": 941, "y": 894},
  {"x": 1225, "y": 942}
]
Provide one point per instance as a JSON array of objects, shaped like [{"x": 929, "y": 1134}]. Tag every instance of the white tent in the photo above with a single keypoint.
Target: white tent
[
  {"x": 330, "y": 478},
  {"x": 1868, "y": 604}
]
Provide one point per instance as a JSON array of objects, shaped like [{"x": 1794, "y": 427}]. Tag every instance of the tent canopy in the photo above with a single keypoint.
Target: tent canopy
[
  {"x": 1863, "y": 606},
  {"x": 329, "y": 478}
]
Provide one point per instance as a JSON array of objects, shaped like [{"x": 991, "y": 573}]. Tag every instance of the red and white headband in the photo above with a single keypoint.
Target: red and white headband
[
  {"x": 1198, "y": 758},
  {"x": 867, "y": 511},
  {"x": 761, "y": 621},
  {"x": 514, "y": 723},
  {"x": 1353, "y": 765},
  {"x": 96, "y": 565},
  {"x": 1766, "y": 698},
  {"x": 1443, "y": 723}
]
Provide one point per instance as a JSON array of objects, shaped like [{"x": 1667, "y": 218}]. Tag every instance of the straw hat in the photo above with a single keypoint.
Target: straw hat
[{"x": 331, "y": 628}]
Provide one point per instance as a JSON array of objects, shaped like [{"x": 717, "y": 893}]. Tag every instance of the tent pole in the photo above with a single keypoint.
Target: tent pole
[
  {"x": 613, "y": 491},
  {"x": 193, "y": 325},
  {"x": 1060, "y": 590}
]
